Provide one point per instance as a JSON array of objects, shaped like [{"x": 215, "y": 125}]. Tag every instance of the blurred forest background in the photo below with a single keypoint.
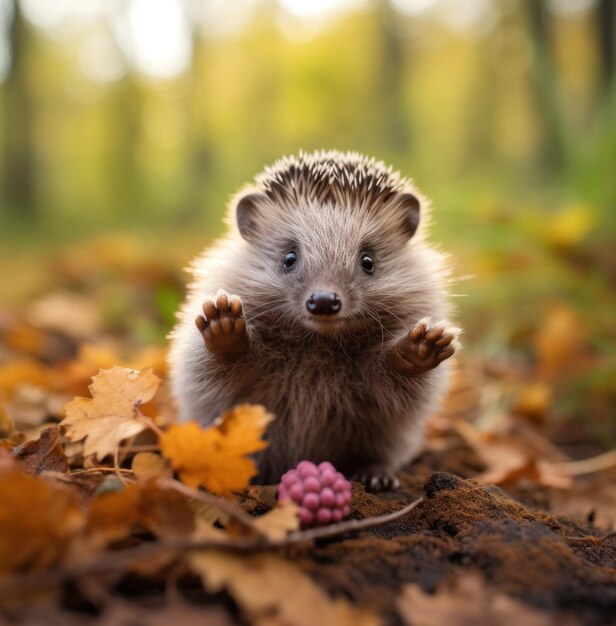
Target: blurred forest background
[{"x": 126, "y": 125}]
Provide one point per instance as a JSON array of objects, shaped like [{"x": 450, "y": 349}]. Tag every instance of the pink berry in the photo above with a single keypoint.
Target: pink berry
[
  {"x": 311, "y": 501},
  {"x": 305, "y": 469},
  {"x": 340, "y": 485},
  {"x": 296, "y": 492},
  {"x": 328, "y": 477},
  {"x": 312, "y": 483},
  {"x": 306, "y": 517},
  {"x": 324, "y": 516},
  {"x": 322, "y": 494},
  {"x": 328, "y": 498}
]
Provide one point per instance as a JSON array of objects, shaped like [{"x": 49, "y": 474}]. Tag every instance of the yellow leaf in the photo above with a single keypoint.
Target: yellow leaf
[
  {"x": 271, "y": 590},
  {"x": 217, "y": 457},
  {"x": 149, "y": 465},
  {"x": 112, "y": 413},
  {"x": 282, "y": 519}
]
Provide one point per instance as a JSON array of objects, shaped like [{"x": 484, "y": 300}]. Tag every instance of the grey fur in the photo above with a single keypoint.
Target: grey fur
[{"x": 333, "y": 390}]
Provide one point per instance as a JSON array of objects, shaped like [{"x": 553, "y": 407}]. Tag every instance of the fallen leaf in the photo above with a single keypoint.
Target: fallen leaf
[
  {"x": 38, "y": 519},
  {"x": 42, "y": 454},
  {"x": 217, "y": 457},
  {"x": 272, "y": 591},
  {"x": 468, "y": 603},
  {"x": 509, "y": 460},
  {"x": 280, "y": 521},
  {"x": 116, "y": 515},
  {"x": 84, "y": 485},
  {"x": 533, "y": 402},
  {"x": 122, "y": 613},
  {"x": 16, "y": 373},
  {"x": 7, "y": 425},
  {"x": 560, "y": 341},
  {"x": 112, "y": 413},
  {"x": 72, "y": 314},
  {"x": 147, "y": 465},
  {"x": 23, "y": 337},
  {"x": 75, "y": 375}
]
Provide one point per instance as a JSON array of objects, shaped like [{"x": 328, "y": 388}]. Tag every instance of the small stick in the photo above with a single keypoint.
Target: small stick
[{"x": 232, "y": 510}]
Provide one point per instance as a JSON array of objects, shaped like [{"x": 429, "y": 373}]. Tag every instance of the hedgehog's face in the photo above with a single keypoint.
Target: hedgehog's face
[{"x": 330, "y": 269}]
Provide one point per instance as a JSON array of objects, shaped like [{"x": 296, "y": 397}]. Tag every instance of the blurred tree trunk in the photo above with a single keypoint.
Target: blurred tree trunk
[
  {"x": 19, "y": 159},
  {"x": 391, "y": 82},
  {"x": 606, "y": 25},
  {"x": 544, "y": 75}
]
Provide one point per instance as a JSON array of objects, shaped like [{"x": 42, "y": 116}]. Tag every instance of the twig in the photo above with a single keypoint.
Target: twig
[
  {"x": 94, "y": 470},
  {"x": 588, "y": 466},
  {"x": 124, "y": 450},
  {"x": 149, "y": 422},
  {"x": 112, "y": 561},
  {"x": 142, "y": 447},
  {"x": 341, "y": 527},
  {"x": 116, "y": 467},
  {"x": 232, "y": 510}
]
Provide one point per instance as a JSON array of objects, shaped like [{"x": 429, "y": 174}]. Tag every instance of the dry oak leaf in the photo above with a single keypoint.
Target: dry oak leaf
[
  {"x": 217, "y": 457},
  {"x": 38, "y": 520},
  {"x": 44, "y": 454},
  {"x": 469, "y": 603},
  {"x": 112, "y": 414},
  {"x": 273, "y": 592}
]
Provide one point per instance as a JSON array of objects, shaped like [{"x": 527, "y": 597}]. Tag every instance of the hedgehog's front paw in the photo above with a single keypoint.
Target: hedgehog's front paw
[
  {"x": 223, "y": 326},
  {"x": 425, "y": 346},
  {"x": 376, "y": 478}
]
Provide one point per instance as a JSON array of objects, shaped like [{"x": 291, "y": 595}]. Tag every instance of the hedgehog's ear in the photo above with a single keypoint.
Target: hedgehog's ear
[
  {"x": 410, "y": 204},
  {"x": 246, "y": 213}
]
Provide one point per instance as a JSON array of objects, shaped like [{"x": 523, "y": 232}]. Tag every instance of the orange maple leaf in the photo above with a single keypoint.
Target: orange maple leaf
[
  {"x": 217, "y": 457},
  {"x": 111, "y": 415}
]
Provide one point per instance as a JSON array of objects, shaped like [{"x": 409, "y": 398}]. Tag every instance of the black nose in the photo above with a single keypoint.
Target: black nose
[{"x": 324, "y": 303}]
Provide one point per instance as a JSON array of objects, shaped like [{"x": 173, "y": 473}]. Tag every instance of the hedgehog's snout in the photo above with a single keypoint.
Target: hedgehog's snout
[{"x": 324, "y": 303}]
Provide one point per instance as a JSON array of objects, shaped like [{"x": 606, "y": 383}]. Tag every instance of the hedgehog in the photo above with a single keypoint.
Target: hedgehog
[{"x": 325, "y": 304}]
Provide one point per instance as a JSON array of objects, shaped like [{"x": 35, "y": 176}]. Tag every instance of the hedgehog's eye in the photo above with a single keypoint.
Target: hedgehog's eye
[
  {"x": 367, "y": 264},
  {"x": 290, "y": 259}
]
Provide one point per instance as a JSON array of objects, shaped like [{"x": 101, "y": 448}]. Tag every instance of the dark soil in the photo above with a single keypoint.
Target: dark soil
[
  {"x": 550, "y": 563},
  {"x": 547, "y": 562}
]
